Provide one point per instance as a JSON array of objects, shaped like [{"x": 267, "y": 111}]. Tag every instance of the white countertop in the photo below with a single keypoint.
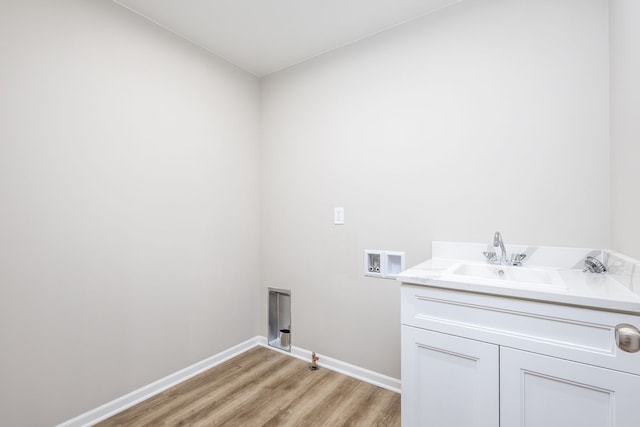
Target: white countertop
[{"x": 600, "y": 291}]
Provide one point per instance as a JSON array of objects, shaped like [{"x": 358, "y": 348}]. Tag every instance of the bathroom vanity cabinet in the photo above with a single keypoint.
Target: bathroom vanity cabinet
[{"x": 474, "y": 359}]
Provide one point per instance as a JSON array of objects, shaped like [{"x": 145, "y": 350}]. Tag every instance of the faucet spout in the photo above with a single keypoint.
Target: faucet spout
[{"x": 497, "y": 242}]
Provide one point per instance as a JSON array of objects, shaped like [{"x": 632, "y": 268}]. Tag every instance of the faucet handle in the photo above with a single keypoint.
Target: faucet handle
[
  {"x": 491, "y": 257},
  {"x": 516, "y": 259}
]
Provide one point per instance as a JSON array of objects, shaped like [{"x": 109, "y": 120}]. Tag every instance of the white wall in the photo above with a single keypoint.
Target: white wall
[
  {"x": 488, "y": 115},
  {"x": 129, "y": 206},
  {"x": 625, "y": 126}
]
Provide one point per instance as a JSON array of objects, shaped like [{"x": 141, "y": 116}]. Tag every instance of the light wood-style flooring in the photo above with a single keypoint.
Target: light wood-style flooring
[{"x": 262, "y": 387}]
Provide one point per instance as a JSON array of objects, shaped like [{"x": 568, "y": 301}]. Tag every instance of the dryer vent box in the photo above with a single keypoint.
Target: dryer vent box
[{"x": 279, "y": 334}]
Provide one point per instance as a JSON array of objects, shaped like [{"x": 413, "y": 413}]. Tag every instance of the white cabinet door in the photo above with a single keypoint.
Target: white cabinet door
[
  {"x": 448, "y": 381},
  {"x": 542, "y": 391}
]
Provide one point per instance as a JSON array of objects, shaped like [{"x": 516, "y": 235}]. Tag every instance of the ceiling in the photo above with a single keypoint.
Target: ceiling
[{"x": 264, "y": 36}]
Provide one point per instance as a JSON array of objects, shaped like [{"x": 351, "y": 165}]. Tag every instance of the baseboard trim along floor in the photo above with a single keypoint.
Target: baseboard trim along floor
[
  {"x": 120, "y": 404},
  {"x": 354, "y": 371},
  {"x": 128, "y": 400}
]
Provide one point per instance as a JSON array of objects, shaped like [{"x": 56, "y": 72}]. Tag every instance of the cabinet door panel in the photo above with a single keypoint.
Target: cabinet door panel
[
  {"x": 448, "y": 381},
  {"x": 542, "y": 391}
]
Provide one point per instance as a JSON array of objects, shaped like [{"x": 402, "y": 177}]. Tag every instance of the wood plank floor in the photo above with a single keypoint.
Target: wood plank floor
[{"x": 262, "y": 387}]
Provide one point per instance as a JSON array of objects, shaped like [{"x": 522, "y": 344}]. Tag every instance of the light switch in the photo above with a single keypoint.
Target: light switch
[{"x": 338, "y": 216}]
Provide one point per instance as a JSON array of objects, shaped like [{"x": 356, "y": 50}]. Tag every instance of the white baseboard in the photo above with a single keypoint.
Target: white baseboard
[
  {"x": 120, "y": 404},
  {"x": 371, "y": 377}
]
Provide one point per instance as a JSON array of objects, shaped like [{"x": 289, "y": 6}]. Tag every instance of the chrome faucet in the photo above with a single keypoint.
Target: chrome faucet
[
  {"x": 497, "y": 241},
  {"x": 492, "y": 258}
]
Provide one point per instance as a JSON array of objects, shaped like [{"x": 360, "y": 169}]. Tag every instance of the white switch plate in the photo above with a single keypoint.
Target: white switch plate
[{"x": 338, "y": 216}]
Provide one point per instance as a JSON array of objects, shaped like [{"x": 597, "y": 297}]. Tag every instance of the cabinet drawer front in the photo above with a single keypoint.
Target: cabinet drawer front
[{"x": 562, "y": 331}]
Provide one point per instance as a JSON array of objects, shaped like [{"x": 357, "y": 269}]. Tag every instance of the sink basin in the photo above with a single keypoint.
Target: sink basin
[{"x": 524, "y": 275}]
